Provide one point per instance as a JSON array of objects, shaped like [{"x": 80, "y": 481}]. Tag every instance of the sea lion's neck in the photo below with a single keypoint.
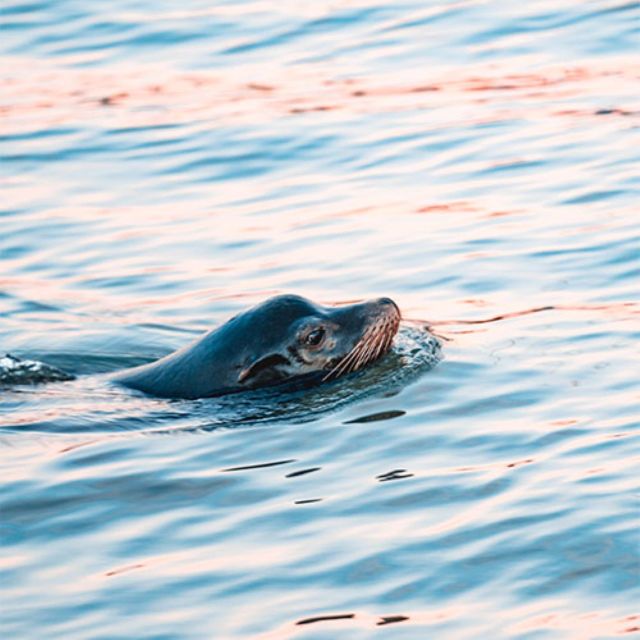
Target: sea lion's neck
[{"x": 191, "y": 372}]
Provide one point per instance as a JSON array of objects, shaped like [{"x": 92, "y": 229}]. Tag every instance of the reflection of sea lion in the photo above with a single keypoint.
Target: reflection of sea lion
[{"x": 276, "y": 341}]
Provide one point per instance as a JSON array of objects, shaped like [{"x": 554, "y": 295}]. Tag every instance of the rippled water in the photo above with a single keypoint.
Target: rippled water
[{"x": 166, "y": 165}]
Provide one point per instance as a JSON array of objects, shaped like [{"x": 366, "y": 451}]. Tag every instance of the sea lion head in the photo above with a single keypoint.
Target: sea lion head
[
  {"x": 284, "y": 338},
  {"x": 291, "y": 336}
]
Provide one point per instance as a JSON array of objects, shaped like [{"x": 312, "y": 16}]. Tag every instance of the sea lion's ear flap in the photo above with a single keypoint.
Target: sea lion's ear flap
[{"x": 264, "y": 369}]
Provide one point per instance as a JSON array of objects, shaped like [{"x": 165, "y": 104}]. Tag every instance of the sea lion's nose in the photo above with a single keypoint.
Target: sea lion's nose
[{"x": 386, "y": 302}]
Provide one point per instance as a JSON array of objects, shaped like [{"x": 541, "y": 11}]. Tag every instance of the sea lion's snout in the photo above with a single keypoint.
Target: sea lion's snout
[
  {"x": 387, "y": 306},
  {"x": 379, "y": 321},
  {"x": 388, "y": 302},
  {"x": 381, "y": 315}
]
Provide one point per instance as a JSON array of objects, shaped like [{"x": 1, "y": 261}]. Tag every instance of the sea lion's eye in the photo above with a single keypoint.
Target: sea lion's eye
[{"x": 315, "y": 337}]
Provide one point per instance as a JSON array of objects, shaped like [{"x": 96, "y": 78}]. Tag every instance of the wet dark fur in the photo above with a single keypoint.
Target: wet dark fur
[{"x": 265, "y": 345}]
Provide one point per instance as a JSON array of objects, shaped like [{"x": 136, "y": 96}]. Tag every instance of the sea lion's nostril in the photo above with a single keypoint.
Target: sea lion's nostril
[{"x": 388, "y": 302}]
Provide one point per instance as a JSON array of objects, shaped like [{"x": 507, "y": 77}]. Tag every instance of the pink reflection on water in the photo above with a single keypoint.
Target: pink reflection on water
[
  {"x": 578, "y": 626},
  {"x": 37, "y": 94}
]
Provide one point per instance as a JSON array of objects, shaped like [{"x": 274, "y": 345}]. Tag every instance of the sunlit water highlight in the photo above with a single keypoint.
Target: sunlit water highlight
[{"x": 166, "y": 166}]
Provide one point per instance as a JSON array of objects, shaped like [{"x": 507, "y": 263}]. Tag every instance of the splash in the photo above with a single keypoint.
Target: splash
[{"x": 14, "y": 371}]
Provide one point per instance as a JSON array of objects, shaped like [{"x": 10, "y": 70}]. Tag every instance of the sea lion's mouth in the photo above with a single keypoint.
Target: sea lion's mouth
[{"x": 374, "y": 342}]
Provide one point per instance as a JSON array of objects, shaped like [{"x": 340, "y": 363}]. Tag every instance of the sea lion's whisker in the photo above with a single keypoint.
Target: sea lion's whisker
[
  {"x": 379, "y": 348},
  {"x": 383, "y": 345},
  {"x": 338, "y": 369},
  {"x": 387, "y": 337},
  {"x": 362, "y": 352},
  {"x": 375, "y": 341},
  {"x": 368, "y": 351},
  {"x": 378, "y": 343},
  {"x": 367, "y": 347},
  {"x": 348, "y": 363},
  {"x": 374, "y": 345},
  {"x": 358, "y": 362}
]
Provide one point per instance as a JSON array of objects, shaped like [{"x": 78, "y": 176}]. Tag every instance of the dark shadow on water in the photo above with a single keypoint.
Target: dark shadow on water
[{"x": 377, "y": 417}]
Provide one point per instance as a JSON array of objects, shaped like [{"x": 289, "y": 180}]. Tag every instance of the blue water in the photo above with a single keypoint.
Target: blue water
[{"x": 165, "y": 165}]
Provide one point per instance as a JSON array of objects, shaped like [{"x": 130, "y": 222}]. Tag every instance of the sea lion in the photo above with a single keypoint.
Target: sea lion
[{"x": 283, "y": 339}]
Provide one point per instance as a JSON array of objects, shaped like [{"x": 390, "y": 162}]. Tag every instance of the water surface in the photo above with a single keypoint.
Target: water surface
[{"x": 166, "y": 166}]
